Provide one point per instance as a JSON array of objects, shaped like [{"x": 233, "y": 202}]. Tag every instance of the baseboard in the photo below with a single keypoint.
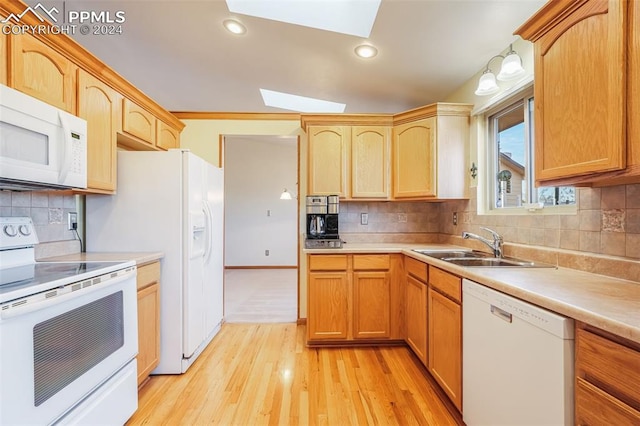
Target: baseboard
[
  {"x": 263, "y": 267},
  {"x": 301, "y": 321}
]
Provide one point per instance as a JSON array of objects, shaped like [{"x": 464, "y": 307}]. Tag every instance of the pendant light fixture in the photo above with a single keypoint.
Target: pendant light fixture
[
  {"x": 286, "y": 195},
  {"x": 511, "y": 69}
]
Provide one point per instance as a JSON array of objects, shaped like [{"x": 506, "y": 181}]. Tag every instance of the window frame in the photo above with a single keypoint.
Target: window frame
[{"x": 487, "y": 153}]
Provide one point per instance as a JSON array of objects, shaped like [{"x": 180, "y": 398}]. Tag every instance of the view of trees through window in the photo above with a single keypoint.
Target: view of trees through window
[{"x": 511, "y": 131}]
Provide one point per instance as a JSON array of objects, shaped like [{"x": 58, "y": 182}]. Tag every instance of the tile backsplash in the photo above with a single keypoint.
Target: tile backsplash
[
  {"x": 48, "y": 210},
  {"x": 607, "y": 222}
]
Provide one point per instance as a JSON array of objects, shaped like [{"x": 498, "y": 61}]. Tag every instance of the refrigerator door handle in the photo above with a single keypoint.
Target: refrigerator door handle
[{"x": 208, "y": 232}]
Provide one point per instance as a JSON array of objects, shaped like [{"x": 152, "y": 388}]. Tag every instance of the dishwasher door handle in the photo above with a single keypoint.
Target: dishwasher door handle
[{"x": 502, "y": 314}]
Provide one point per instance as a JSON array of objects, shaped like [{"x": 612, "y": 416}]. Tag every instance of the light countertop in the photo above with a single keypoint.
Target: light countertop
[
  {"x": 139, "y": 257},
  {"x": 610, "y": 304}
]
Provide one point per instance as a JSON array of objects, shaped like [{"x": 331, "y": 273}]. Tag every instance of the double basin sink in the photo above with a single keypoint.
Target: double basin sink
[{"x": 474, "y": 258}]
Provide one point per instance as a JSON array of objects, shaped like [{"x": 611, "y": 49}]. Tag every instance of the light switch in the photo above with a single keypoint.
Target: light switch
[{"x": 364, "y": 218}]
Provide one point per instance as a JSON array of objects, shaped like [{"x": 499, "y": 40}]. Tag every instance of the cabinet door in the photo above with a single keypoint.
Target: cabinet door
[
  {"x": 41, "y": 72},
  {"x": 148, "y": 330},
  {"x": 138, "y": 122},
  {"x": 99, "y": 104},
  {"x": 414, "y": 156},
  {"x": 445, "y": 345},
  {"x": 3, "y": 56},
  {"x": 328, "y": 147},
  {"x": 166, "y": 136},
  {"x": 328, "y": 305},
  {"x": 633, "y": 90},
  {"x": 369, "y": 162},
  {"x": 416, "y": 317},
  {"x": 579, "y": 93},
  {"x": 371, "y": 291}
]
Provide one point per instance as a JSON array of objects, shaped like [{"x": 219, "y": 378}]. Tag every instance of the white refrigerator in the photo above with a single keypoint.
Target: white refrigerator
[{"x": 171, "y": 202}]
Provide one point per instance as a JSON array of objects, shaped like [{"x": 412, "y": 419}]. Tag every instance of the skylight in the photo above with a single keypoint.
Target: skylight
[
  {"x": 352, "y": 17},
  {"x": 299, "y": 103}
]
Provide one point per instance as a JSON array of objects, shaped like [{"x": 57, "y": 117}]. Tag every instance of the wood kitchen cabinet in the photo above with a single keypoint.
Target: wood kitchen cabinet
[
  {"x": 607, "y": 387},
  {"x": 354, "y": 297},
  {"x": 99, "y": 104},
  {"x": 166, "y": 136},
  {"x": 148, "y": 282},
  {"x": 328, "y": 159},
  {"x": 371, "y": 296},
  {"x": 328, "y": 297},
  {"x": 429, "y": 152},
  {"x": 138, "y": 122},
  {"x": 370, "y": 161},
  {"x": 587, "y": 100},
  {"x": 349, "y": 155},
  {"x": 445, "y": 332},
  {"x": 3, "y": 56},
  {"x": 40, "y": 71},
  {"x": 416, "y": 307}
]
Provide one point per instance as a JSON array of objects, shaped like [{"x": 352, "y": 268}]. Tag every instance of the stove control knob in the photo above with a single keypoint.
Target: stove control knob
[
  {"x": 25, "y": 230},
  {"x": 10, "y": 231}
]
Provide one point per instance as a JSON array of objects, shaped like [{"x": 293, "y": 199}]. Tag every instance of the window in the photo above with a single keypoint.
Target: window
[{"x": 510, "y": 157}]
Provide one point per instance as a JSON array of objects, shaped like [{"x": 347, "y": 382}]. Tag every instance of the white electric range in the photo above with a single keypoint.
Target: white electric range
[{"x": 69, "y": 335}]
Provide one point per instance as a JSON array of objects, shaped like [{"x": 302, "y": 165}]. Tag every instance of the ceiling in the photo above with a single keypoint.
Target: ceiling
[{"x": 179, "y": 54}]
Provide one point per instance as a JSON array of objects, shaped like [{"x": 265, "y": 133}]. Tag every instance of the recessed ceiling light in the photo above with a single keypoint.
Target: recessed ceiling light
[
  {"x": 366, "y": 51},
  {"x": 234, "y": 26},
  {"x": 353, "y": 17},
  {"x": 299, "y": 103}
]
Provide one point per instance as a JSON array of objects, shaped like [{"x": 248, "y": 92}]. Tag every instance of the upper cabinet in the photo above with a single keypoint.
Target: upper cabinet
[
  {"x": 586, "y": 99},
  {"x": 166, "y": 136},
  {"x": 414, "y": 159},
  {"x": 3, "y": 56},
  {"x": 348, "y": 155},
  {"x": 370, "y": 161},
  {"x": 57, "y": 70},
  {"x": 99, "y": 104},
  {"x": 328, "y": 151},
  {"x": 40, "y": 71},
  {"x": 430, "y": 152}
]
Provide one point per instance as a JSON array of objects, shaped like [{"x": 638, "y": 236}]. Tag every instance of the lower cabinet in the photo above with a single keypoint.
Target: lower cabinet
[
  {"x": 415, "y": 312},
  {"x": 607, "y": 388},
  {"x": 148, "y": 319},
  {"x": 352, "y": 297},
  {"x": 445, "y": 332}
]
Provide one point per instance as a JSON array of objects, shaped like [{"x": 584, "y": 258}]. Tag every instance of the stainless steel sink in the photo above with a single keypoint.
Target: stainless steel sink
[
  {"x": 453, "y": 254},
  {"x": 474, "y": 258}
]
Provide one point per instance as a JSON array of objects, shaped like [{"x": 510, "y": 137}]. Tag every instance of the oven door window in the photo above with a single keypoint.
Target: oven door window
[{"x": 70, "y": 344}]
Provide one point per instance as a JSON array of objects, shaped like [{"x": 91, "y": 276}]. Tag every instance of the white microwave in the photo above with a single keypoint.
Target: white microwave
[{"x": 41, "y": 146}]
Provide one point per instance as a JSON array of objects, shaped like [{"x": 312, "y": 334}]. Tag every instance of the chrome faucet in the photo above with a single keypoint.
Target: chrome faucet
[{"x": 495, "y": 245}]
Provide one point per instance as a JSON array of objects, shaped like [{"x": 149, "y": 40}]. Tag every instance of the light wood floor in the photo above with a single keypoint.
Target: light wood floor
[
  {"x": 260, "y": 295},
  {"x": 263, "y": 374}
]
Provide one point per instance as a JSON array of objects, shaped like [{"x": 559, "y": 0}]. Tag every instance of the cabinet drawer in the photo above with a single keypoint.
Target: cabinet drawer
[
  {"x": 609, "y": 365},
  {"x": 447, "y": 283},
  {"x": 148, "y": 274},
  {"x": 370, "y": 261},
  {"x": 416, "y": 268},
  {"x": 328, "y": 262},
  {"x": 596, "y": 407}
]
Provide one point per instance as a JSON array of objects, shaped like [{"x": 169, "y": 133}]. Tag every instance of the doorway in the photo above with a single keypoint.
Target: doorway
[{"x": 261, "y": 230}]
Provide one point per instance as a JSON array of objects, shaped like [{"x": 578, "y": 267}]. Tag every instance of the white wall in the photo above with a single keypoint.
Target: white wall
[{"x": 257, "y": 169}]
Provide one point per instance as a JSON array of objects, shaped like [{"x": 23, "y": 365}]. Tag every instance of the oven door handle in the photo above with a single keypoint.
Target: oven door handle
[{"x": 27, "y": 308}]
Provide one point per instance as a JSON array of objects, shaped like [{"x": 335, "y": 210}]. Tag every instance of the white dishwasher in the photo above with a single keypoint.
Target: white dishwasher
[{"x": 517, "y": 361}]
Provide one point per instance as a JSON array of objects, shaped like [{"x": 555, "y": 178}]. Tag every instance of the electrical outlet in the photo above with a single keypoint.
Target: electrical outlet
[
  {"x": 72, "y": 220},
  {"x": 268, "y": 213},
  {"x": 266, "y": 252},
  {"x": 402, "y": 217},
  {"x": 364, "y": 218},
  {"x": 455, "y": 218}
]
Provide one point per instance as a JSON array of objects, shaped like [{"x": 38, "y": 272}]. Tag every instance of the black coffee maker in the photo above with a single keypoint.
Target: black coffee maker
[{"x": 322, "y": 221}]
